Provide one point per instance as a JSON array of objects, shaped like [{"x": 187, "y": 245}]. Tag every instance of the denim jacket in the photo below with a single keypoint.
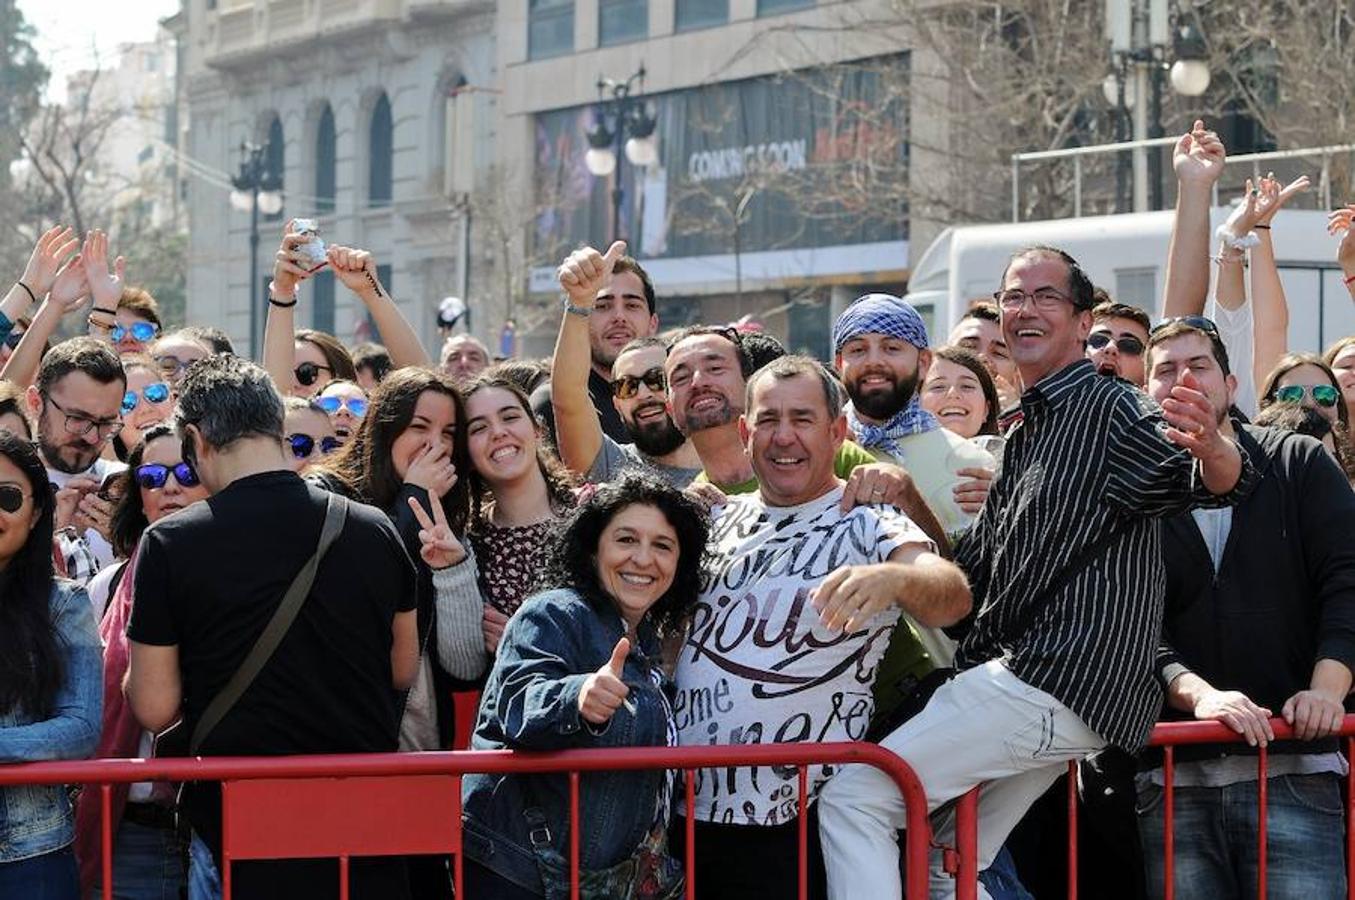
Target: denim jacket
[
  {"x": 531, "y": 702},
  {"x": 37, "y": 819}
]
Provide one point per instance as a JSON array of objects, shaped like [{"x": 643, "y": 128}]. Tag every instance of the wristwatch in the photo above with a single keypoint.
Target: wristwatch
[{"x": 582, "y": 312}]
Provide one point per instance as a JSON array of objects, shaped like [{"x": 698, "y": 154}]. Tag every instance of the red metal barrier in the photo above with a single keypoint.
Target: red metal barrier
[{"x": 330, "y": 775}]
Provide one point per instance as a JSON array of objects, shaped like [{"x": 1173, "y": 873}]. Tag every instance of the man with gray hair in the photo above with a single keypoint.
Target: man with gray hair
[{"x": 209, "y": 581}]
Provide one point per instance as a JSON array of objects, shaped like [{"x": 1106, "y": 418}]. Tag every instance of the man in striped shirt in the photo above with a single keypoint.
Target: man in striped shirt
[{"x": 1066, "y": 568}]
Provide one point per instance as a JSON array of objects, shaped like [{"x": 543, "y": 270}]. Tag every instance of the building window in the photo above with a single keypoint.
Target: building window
[
  {"x": 325, "y": 153},
  {"x": 772, "y": 7},
  {"x": 380, "y": 168},
  {"x": 276, "y": 153},
  {"x": 322, "y": 302},
  {"x": 622, "y": 21},
  {"x": 1137, "y": 287},
  {"x": 550, "y": 28},
  {"x": 700, "y": 13}
]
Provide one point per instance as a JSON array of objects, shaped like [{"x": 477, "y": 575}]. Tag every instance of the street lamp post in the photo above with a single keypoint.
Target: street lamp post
[
  {"x": 623, "y": 127},
  {"x": 1138, "y": 32},
  {"x": 256, "y": 189}
]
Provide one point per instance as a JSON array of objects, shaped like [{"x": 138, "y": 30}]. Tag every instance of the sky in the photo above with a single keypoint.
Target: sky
[{"x": 72, "y": 34}]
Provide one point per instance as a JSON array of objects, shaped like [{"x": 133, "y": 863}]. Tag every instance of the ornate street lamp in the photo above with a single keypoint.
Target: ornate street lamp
[
  {"x": 623, "y": 127},
  {"x": 256, "y": 189}
]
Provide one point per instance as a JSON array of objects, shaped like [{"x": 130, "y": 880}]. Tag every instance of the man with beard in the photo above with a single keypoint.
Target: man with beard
[
  {"x": 637, "y": 384},
  {"x": 621, "y": 311},
  {"x": 77, "y": 403}
]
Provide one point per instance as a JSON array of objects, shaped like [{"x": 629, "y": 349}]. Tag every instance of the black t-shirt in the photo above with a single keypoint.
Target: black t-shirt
[{"x": 209, "y": 578}]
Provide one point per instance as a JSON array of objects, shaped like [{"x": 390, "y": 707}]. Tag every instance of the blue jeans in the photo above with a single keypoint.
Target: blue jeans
[
  {"x": 147, "y": 864},
  {"x": 1216, "y": 835},
  {"x": 204, "y": 882},
  {"x": 1001, "y": 881},
  {"x": 51, "y": 876}
]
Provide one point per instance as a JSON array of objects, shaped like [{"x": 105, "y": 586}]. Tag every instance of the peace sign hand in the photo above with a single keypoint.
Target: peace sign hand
[{"x": 440, "y": 549}]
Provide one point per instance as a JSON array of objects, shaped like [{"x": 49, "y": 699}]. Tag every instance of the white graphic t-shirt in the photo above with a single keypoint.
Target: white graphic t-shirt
[{"x": 758, "y": 666}]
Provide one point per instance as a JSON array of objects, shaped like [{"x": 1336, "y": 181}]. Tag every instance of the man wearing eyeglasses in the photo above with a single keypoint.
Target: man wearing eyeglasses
[
  {"x": 1064, "y": 564},
  {"x": 1260, "y": 622},
  {"x": 1117, "y": 340},
  {"x": 77, "y": 403},
  {"x": 637, "y": 381}
]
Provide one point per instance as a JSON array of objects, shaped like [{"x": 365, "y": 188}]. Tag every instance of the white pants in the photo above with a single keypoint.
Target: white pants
[{"x": 985, "y": 727}]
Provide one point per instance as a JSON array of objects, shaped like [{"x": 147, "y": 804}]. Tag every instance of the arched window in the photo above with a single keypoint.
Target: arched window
[
  {"x": 380, "y": 170},
  {"x": 276, "y": 156},
  {"x": 325, "y": 154}
]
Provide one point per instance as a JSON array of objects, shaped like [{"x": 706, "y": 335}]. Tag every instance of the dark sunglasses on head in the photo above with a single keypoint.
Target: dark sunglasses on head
[
  {"x": 152, "y": 476},
  {"x": 303, "y": 445},
  {"x": 308, "y": 372},
  {"x": 141, "y": 331},
  {"x": 1200, "y": 322},
  {"x": 11, "y": 498},
  {"x": 1125, "y": 343},
  {"x": 1324, "y": 395},
  {"x": 356, "y": 405},
  {"x": 628, "y": 386},
  {"x": 154, "y": 393}
]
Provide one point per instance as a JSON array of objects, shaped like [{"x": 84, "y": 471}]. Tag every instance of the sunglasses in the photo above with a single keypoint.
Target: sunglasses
[
  {"x": 11, "y": 498},
  {"x": 628, "y": 386},
  {"x": 308, "y": 372},
  {"x": 303, "y": 445},
  {"x": 140, "y": 331},
  {"x": 152, "y": 476},
  {"x": 1126, "y": 344},
  {"x": 355, "y": 405},
  {"x": 1324, "y": 395},
  {"x": 1200, "y": 322},
  {"x": 154, "y": 393}
]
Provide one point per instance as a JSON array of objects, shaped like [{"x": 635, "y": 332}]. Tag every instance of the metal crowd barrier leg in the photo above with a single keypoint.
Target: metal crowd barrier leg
[
  {"x": 574, "y": 835},
  {"x": 106, "y": 836},
  {"x": 803, "y": 819},
  {"x": 1072, "y": 830},
  {"x": 967, "y": 846},
  {"x": 689, "y": 850},
  {"x": 1169, "y": 823},
  {"x": 1262, "y": 796}
]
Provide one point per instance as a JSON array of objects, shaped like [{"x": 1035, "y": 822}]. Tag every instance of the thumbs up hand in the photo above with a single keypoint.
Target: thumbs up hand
[
  {"x": 603, "y": 692},
  {"x": 585, "y": 272}
]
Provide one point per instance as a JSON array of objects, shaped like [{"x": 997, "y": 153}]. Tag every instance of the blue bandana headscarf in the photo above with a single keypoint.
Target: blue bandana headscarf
[{"x": 892, "y": 317}]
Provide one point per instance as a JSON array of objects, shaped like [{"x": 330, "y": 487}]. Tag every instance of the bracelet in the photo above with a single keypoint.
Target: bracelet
[
  {"x": 1262, "y": 227},
  {"x": 280, "y": 304},
  {"x": 28, "y": 290},
  {"x": 1234, "y": 242},
  {"x": 1349, "y": 280},
  {"x": 1230, "y": 260},
  {"x": 107, "y": 312},
  {"x": 102, "y": 326}
]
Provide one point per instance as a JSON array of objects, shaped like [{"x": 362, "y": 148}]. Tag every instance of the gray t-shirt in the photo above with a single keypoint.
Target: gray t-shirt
[{"x": 614, "y": 459}]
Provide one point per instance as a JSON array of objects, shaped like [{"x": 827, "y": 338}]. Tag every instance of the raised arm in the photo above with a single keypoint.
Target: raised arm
[
  {"x": 1270, "y": 311},
  {"x": 279, "y": 334},
  {"x": 105, "y": 284},
  {"x": 1340, "y": 222},
  {"x": 1198, "y": 160},
  {"x": 66, "y": 296},
  {"x": 46, "y": 262},
  {"x": 578, "y": 432},
  {"x": 357, "y": 270}
]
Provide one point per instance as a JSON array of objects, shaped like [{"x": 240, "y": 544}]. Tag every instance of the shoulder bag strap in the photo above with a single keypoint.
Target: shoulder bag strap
[{"x": 336, "y": 511}]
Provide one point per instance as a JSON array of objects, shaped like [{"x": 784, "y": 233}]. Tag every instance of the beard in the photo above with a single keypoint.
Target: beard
[
  {"x": 882, "y": 405},
  {"x": 695, "y": 421},
  {"x": 52, "y": 456},
  {"x": 654, "y": 437}
]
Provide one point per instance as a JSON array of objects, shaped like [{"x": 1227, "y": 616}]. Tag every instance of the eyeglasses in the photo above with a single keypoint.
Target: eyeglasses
[
  {"x": 1045, "y": 299},
  {"x": 308, "y": 372},
  {"x": 140, "y": 331},
  {"x": 171, "y": 366},
  {"x": 1200, "y": 322},
  {"x": 154, "y": 393},
  {"x": 153, "y": 476},
  {"x": 1125, "y": 343},
  {"x": 355, "y": 405},
  {"x": 1324, "y": 395},
  {"x": 11, "y": 498},
  {"x": 77, "y": 423},
  {"x": 628, "y": 386},
  {"x": 303, "y": 445}
]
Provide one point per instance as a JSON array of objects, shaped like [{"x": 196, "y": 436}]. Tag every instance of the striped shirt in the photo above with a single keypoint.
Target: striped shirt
[{"x": 1089, "y": 456}]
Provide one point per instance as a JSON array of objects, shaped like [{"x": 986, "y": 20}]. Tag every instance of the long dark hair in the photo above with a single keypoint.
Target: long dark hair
[
  {"x": 966, "y": 358},
  {"x": 335, "y": 354},
  {"x": 573, "y": 560},
  {"x": 31, "y": 670},
  {"x": 1291, "y": 361},
  {"x": 129, "y": 520},
  {"x": 560, "y": 481},
  {"x": 364, "y": 464}
]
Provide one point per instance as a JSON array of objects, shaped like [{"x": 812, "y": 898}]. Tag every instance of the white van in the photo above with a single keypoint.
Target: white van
[{"x": 1127, "y": 255}]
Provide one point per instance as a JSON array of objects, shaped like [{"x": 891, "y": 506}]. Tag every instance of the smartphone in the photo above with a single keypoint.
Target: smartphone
[
  {"x": 313, "y": 249},
  {"x": 108, "y": 490}
]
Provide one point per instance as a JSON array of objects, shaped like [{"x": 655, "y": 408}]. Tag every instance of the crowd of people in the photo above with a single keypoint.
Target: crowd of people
[{"x": 994, "y": 555}]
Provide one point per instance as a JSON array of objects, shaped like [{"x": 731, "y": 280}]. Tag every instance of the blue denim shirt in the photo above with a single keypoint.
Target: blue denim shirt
[
  {"x": 37, "y": 819},
  {"x": 531, "y": 702}
]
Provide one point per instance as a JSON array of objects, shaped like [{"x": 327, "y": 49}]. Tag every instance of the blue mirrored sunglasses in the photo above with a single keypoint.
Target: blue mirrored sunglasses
[
  {"x": 141, "y": 331},
  {"x": 303, "y": 445},
  {"x": 356, "y": 405},
  {"x": 152, "y": 476},
  {"x": 154, "y": 393}
]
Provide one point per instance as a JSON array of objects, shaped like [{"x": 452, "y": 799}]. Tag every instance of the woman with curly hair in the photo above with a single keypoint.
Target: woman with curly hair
[
  {"x": 579, "y": 666},
  {"x": 520, "y": 494}
]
